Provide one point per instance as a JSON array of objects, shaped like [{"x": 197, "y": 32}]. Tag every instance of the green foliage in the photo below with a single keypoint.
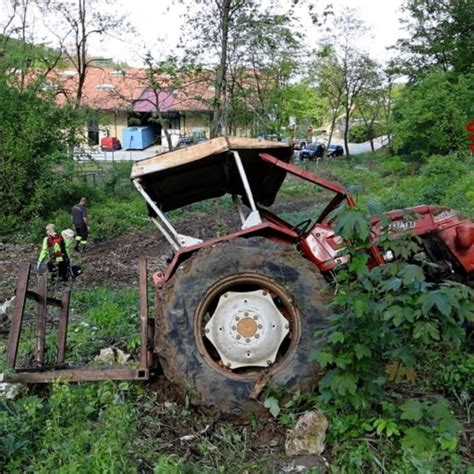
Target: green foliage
[
  {"x": 80, "y": 428},
  {"x": 386, "y": 313},
  {"x": 439, "y": 36},
  {"x": 361, "y": 133},
  {"x": 431, "y": 116},
  {"x": 108, "y": 317}
]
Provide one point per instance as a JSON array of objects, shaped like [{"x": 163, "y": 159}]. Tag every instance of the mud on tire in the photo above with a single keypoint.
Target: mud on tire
[{"x": 192, "y": 363}]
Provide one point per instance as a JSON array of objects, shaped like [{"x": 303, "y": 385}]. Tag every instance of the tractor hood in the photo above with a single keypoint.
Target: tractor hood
[{"x": 208, "y": 170}]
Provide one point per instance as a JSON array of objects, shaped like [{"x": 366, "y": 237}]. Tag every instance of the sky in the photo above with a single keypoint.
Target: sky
[
  {"x": 158, "y": 25},
  {"x": 159, "y": 22}
]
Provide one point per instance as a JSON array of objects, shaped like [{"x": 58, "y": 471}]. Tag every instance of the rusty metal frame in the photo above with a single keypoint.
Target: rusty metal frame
[{"x": 41, "y": 374}]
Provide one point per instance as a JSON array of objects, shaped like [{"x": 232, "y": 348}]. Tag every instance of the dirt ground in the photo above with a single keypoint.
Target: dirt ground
[{"x": 114, "y": 264}]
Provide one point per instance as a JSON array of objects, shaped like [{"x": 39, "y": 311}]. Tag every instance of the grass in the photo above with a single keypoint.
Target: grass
[{"x": 128, "y": 427}]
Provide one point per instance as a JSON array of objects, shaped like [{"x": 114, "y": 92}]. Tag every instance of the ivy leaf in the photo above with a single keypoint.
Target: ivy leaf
[
  {"x": 425, "y": 330},
  {"x": 412, "y": 410},
  {"x": 353, "y": 224},
  {"x": 361, "y": 351},
  {"x": 412, "y": 274},
  {"x": 393, "y": 284},
  {"x": 323, "y": 358},
  {"x": 358, "y": 264},
  {"x": 438, "y": 299},
  {"x": 361, "y": 307},
  {"x": 273, "y": 406},
  {"x": 336, "y": 337},
  {"x": 418, "y": 440},
  {"x": 344, "y": 383}
]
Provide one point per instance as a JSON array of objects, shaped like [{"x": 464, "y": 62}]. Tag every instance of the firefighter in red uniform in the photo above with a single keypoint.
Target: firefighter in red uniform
[{"x": 57, "y": 249}]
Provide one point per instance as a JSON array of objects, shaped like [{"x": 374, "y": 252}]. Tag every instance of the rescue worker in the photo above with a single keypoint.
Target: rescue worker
[
  {"x": 81, "y": 223},
  {"x": 57, "y": 249}
]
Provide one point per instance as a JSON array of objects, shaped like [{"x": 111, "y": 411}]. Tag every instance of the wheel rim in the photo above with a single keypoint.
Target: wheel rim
[{"x": 246, "y": 324}]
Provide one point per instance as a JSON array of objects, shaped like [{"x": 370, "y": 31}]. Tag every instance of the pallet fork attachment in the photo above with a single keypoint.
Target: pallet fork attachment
[{"x": 42, "y": 374}]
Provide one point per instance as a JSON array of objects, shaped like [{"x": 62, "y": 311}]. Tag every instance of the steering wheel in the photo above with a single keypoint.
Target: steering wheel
[{"x": 301, "y": 227}]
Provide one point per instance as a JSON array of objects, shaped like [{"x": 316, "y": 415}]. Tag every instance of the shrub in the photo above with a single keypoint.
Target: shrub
[{"x": 384, "y": 318}]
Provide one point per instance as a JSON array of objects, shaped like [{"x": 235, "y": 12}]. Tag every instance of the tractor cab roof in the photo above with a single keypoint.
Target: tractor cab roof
[{"x": 209, "y": 170}]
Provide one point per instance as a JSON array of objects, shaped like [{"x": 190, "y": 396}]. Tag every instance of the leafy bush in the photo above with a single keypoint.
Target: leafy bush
[
  {"x": 384, "y": 319},
  {"x": 358, "y": 134},
  {"x": 80, "y": 428},
  {"x": 430, "y": 116}
]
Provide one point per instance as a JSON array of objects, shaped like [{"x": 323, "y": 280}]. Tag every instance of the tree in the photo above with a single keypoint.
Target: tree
[
  {"x": 75, "y": 23},
  {"x": 373, "y": 104},
  {"x": 33, "y": 132},
  {"x": 330, "y": 88},
  {"x": 440, "y": 35},
  {"x": 347, "y": 70},
  {"x": 430, "y": 116},
  {"x": 263, "y": 61},
  {"x": 22, "y": 56},
  {"x": 249, "y": 46},
  {"x": 170, "y": 81}
]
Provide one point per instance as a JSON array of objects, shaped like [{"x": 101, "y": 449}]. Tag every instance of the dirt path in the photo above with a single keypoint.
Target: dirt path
[{"x": 114, "y": 263}]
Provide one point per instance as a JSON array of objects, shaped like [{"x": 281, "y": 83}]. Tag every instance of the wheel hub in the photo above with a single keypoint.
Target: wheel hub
[{"x": 247, "y": 329}]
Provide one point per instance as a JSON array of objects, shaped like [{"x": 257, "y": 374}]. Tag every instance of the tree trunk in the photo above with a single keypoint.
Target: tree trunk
[
  {"x": 216, "y": 127},
  {"x": 333, "y": 126},
  {"x": 346, "y": 133}
]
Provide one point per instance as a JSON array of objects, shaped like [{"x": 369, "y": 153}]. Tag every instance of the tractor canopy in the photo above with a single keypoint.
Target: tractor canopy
[{"x": 209, "y": 170}]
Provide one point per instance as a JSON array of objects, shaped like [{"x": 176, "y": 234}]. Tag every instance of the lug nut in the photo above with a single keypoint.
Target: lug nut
[
  {"x": 264, "y": 293},
  {"x": 255, "y": 317},
  {"x": 260, "y": 326},
  {"x": 238, "y": 336},
  {"x": 257, "y": 336},
  {"x": 246, "y": 314},
  {"x": 269, "y": 362},
  {"x": 234, "y": 328},
  {"x": 247, "y": 340},
  {"x": 237, "y": 318}
]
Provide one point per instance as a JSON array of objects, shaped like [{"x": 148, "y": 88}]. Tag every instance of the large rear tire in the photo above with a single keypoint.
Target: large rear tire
[{"x": 253, "y": 271}]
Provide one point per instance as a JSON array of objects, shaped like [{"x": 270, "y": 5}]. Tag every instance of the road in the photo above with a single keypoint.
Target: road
[{"x": 135, "y": 155}]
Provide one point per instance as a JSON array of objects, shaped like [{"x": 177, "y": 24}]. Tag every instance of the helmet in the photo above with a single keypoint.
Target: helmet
[{"x": 68, "y": 234}]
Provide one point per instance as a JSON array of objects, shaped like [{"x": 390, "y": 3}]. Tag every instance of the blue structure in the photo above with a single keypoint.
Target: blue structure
[{"x": 137, "y": 138}]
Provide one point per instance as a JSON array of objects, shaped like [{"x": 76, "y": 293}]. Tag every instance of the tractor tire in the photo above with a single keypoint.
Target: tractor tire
[{"x": 246, "y": 267}]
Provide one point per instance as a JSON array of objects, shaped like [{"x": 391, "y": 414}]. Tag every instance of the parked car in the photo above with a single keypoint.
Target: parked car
[
  {"x": 312, "y": 151},
  {"x": 184, "y": 141},
  {"x": 110, "y": 144},
  {"x": 188, "y": 140},
  {"x": 335, "y": 150}
]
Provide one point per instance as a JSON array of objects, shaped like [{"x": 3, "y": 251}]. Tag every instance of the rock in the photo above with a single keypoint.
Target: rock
[
  {"x": 6, "y": 305},
  {"x": 11, "y": 391},
  {"x": 121, "y": 357},
  {"x": 111, "y": 354},
  {"x": 308, "y": 436},
  {"x": 304, "y": 463},
  {"x": 106, "y": 355}
]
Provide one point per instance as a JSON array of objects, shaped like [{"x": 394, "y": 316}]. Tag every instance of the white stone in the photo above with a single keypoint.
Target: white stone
[{"x": 308, "y": 436}]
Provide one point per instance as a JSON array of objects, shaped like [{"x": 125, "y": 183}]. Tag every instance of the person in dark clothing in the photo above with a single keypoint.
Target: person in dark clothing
[{"x": 81, "y": 223}]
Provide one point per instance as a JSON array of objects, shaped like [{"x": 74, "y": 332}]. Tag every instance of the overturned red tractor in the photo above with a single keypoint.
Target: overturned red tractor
[{"x": 238, "y": 313}]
